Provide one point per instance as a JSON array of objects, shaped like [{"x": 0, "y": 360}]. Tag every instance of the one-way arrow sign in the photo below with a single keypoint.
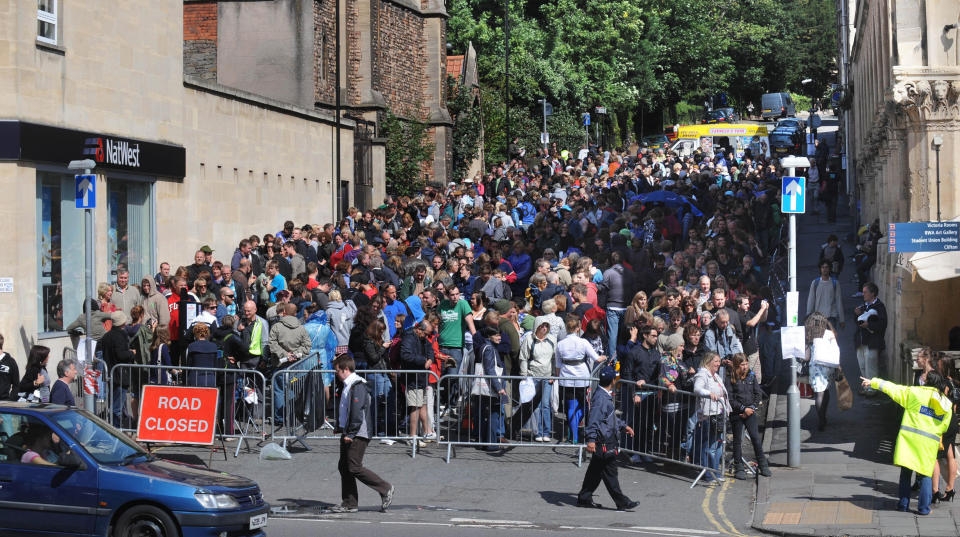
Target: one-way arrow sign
[
  {"x": 792, "y": 195},
  {"x": 86, "y": 191}
]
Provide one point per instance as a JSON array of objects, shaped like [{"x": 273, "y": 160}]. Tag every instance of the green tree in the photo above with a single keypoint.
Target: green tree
[{"x": 407, "y": 151}]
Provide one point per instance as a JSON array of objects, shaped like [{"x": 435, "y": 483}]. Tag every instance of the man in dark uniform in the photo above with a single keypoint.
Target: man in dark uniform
[{"x": 603, "y": 429}]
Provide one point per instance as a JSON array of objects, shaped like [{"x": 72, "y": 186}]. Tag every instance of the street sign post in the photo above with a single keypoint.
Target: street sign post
[
  {"x": 86, "y": 191},
  {"x": 924, "y": 237},
  {"x": 792, "y": 202},
  {"x": 793, "y": 195},
  {"x": 86, "y": 199}
]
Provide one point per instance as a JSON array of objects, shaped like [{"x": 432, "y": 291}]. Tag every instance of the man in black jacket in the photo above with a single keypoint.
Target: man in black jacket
[
  {"x": 9, "y": 375},
  {"x": 641, "y": 366},
  {"x": 871, "y": 330},
  {"x": 355, "y": 420},
  {"x": 115, "y": 346},
  {"x": 416, "y": 353}
]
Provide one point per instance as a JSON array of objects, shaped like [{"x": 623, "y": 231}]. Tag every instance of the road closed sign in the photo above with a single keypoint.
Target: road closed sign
[{"x": 174, "y": 414}]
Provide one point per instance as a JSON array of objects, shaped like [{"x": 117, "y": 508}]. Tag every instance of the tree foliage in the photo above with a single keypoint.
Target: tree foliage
[
  {"x": 633, "y": 56},
  {"x": 406, "y": 152}
]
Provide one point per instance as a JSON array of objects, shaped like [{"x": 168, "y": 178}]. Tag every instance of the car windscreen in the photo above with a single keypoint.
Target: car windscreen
[
  {"x": 100, "y": 440},
  {"x": 780, "y": 139}
]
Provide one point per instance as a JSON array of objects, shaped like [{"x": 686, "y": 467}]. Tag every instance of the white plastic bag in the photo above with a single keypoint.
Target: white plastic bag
[
  {"x": 273, "y": 452},
  {"x": 528, "y": 389},
  {"x": 825, "y": 351}
]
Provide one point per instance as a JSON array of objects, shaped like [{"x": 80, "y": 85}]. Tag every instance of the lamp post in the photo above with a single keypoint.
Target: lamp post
[
  {"x": 937, "y": 143},
  {"x": 336, "y": 113},
  {"x": 506, "y": 75}
]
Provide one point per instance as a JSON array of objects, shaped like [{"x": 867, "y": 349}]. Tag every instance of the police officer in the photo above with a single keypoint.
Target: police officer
[
  {"x": 603, "y": 429},
  {"x": 926, "y": 415}
]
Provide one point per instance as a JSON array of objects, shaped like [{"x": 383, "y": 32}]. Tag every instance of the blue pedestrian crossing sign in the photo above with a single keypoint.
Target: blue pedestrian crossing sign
[
  {"x": 793, "y": 195},
  {"x": 86, "y": 191}
]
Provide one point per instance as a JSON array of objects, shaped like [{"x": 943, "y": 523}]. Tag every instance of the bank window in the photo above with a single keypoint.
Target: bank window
[
  {"x": 61, "y": 245},
  {"x": 47, "y": 21},
  {"x": 129, "y": 229}
]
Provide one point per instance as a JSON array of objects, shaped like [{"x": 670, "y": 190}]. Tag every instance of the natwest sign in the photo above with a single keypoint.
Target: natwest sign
[
  {"x": 25, "y": 141},
  {"x": 177, "y": 414},
  {"x": 113, "y": 151}
]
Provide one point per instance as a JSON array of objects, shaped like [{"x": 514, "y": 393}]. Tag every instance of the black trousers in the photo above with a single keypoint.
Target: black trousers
[
  {"x": 602, "y": 468},
  {"x": 351, "y": 469},
  {"x": 750, "y": 424}
]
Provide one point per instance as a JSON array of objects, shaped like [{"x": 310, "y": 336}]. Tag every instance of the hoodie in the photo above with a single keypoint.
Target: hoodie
[
  {"x": 289, "y": 336},
  {"x": 340, "y": 314},
  {"x": 155, "y": 307}
]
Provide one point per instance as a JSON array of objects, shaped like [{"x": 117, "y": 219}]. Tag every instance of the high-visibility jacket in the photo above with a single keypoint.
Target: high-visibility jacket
[{"x": 926, "y": 415}]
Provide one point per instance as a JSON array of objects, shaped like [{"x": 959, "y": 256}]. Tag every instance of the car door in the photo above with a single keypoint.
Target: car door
[{"x": 37, "y": 498}]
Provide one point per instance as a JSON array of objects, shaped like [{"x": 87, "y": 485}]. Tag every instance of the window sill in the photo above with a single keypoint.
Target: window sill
[
  {"x": 53, "y": 335},
  {"x": 56, "y": 49}
]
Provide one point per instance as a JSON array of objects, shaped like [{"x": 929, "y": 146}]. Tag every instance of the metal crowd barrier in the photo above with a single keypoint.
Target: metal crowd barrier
[
  {"x": 242, "y": 397},
  {"x": 667, "y": 428},
  {"x": 304, "y": 404},
  {"x": 476, "y": 415}
]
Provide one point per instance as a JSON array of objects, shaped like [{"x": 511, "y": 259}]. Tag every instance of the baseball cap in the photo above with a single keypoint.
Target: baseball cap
[{"x": 607, "y": 374}]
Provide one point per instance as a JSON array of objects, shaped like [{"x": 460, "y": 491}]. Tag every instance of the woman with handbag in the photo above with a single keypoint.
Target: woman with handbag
[
  {"x": 487, "y": 389},
  {"x": 713, "y": 405},
  {"x": 823, "y": 355}
]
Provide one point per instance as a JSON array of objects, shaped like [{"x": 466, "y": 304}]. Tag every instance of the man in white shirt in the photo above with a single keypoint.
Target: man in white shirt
[
  {"x": 825, "y": 296},
  {"x": 575, "y": 359}
]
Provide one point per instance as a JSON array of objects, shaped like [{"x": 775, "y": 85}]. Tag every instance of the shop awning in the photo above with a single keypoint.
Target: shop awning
[{"x": 935, "y": 266}]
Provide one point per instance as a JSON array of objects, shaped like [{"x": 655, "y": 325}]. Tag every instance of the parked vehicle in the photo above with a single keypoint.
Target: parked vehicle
[
  {"x": 787, "y": 141},
  {"x": 773, "y": 105},
  {"x": 736, "y": 137},
  {"x": 794, "y": 122},
  {"x": 655, "y": 141},
  {"x": 63, "y": 471},
  {"x": 720, "y": 115}
]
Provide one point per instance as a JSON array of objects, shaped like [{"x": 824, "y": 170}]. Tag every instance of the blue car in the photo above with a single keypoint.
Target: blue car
[{"x": 63, "y": 471}]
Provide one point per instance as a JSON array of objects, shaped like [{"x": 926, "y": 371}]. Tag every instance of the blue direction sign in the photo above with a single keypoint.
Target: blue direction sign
[
  {"x": 793, "y": 195},
  {"x": 924, "y": 237},
  {"x": 586, "y": 119},
  {"x": 86, "y": 191}
]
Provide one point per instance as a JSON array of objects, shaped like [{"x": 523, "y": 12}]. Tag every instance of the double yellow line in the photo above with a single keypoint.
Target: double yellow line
[{"x": 719, "y": 520}]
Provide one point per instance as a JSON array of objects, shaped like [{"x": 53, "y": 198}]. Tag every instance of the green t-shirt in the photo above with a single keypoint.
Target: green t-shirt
[{"x": 453, "y": 322}]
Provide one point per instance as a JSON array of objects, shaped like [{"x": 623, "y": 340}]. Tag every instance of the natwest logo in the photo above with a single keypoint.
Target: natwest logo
[{"x": 110, "y": 151}]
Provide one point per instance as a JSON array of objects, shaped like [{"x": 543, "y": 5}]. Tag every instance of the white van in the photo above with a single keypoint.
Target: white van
[{"x": 774, "y": 105}]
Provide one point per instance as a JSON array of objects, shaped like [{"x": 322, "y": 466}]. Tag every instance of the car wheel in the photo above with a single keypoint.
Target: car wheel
[{"x": 145, "y": 521}]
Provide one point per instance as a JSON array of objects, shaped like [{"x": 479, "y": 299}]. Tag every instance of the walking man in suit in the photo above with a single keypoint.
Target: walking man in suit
[{"x": 603, "y": 429}]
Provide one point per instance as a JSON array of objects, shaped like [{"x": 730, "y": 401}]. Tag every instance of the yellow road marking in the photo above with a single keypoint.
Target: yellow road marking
[{"x": 720, "y": 510}]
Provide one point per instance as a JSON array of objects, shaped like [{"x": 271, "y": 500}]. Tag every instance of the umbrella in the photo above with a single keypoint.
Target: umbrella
[{"x": 668, "y": 198}]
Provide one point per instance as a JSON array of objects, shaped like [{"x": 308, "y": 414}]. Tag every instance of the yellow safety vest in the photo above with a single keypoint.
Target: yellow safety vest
[
  {"x": 256, "y": 339},
  {"x": 926, "y": 416}
]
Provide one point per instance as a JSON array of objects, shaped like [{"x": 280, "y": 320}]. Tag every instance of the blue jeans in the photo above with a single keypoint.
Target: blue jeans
[
  {"x": 543, "y": 415},
  {"x": 613, "y": 326},
  {"x": 926, "y": 491},
  {"x": 708, "y": 440},
  {"x": 118, "y": 405},
  {"x": 384, "y": 405},
  {"x": 457, "y": 354}
]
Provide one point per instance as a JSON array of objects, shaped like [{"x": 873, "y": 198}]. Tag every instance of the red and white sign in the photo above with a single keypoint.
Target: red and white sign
[{"x": 174, "y": 414}]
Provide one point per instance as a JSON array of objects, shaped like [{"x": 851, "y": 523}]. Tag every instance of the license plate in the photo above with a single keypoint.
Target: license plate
[
  {"x": 258, "y": 521},
  {"x": 767, "y": 110}
]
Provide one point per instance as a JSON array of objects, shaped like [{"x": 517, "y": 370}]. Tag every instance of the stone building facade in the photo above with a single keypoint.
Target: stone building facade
[
  {"x": 182, "y": 161},
  {"x": 392, "y": 57},
  {"x": 905, "y": 80}
]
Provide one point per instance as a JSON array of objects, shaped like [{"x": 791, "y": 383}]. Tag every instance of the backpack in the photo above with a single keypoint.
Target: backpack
[{"x": 818, "y": 280}]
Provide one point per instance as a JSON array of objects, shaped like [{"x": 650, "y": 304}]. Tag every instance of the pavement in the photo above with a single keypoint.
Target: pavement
[{"x": 847, "y": 483}]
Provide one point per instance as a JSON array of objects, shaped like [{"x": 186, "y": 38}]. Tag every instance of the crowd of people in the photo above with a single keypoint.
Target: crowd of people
[{"x": 652, "y": 263}]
